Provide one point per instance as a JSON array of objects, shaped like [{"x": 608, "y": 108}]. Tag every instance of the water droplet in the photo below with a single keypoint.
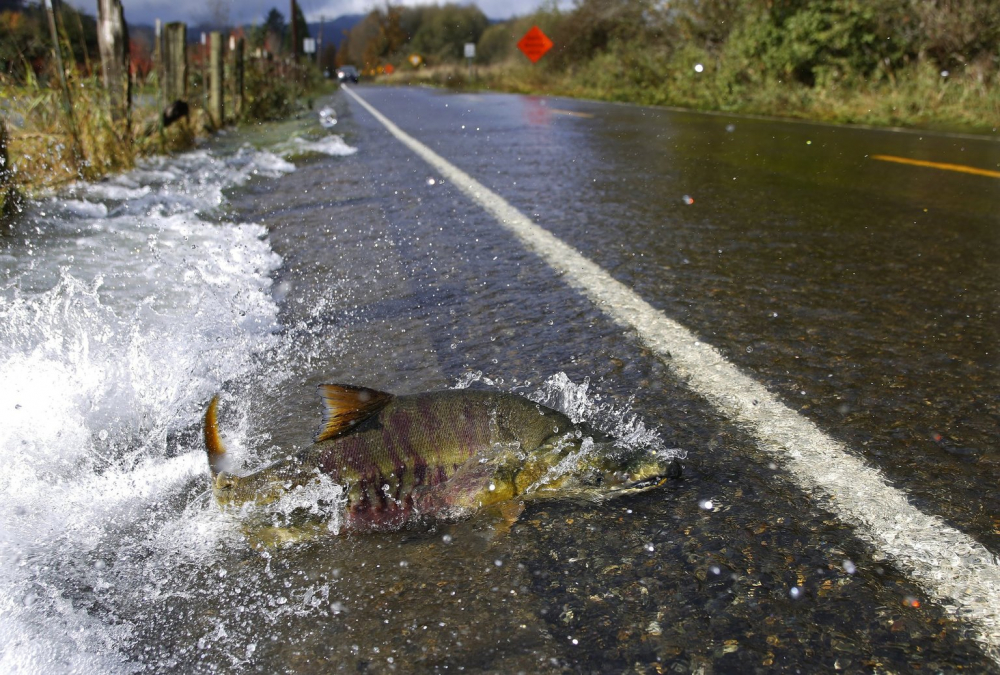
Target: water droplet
[
  {"x": 447, "y": 538},
  {"x": 849, "y": 567},
  {"x": 707, "y": 504},
  {"x": 431, "y": 181},
  {"x": 795, "y": 592},
  {"x": 649, "y": 547}
]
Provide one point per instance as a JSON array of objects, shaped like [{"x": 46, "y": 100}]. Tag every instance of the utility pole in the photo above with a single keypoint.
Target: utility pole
[
  {"x": 295, "y": 35},
  {"x": 319, "y": 42}
]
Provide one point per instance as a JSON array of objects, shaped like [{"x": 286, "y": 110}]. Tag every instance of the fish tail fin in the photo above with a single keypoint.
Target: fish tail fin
[{"x": 213, "y": 441}]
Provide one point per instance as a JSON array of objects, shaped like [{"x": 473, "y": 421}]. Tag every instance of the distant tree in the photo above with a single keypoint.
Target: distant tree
[
  {"x": 957, "y": 31},
  {"x": 275, "y": 22},
  {"x": 273, "y": 33},
  {"x": 823, "y": 41},
  {"x": 707, "y": 23},
  {"x": 444, "y": 30},
  {"x": 301, "y": 27},
  {"x": 594, "y": 25},
  {"x": 497, "y": 42},
  {"x": 343, "y": 57},
  {"x": 364, "y": 44}
]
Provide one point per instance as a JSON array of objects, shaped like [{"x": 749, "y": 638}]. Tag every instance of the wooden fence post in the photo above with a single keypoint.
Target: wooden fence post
[
  {"x": 4, "y": 168},
  {"x": 237, "y": 47},
  {"x": 175, "y": 62},
  {"x": 112, "y": 38},
  {"x": 7, "y": 193},
  {"x": 216, "y": 105}
]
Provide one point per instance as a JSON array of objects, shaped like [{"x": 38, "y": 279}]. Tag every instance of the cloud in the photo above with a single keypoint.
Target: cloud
[{"x": 238, "y": 12}]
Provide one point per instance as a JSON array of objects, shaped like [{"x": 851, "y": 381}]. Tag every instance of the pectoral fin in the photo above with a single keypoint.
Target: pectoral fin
[{"x": 348, "y": 406}]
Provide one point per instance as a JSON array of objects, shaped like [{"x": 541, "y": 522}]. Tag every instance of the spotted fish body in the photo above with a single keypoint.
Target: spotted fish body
[{"x": 438, "y": 454}]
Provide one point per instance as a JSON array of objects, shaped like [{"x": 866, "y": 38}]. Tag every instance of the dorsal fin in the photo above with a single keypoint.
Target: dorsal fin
[
  {"x": 213, "y": 441},
  {"x": 348, "y": 406}
]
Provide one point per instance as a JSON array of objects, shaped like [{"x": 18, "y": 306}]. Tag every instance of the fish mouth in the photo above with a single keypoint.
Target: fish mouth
[
  {"x": 647, "y": 483},
  {"x": 670, "y": 471}
]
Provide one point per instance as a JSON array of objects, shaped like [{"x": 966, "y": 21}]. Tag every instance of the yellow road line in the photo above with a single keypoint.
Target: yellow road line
[
  {"x": 557, "y": 111},
  {"x": 939, "y": 165}
]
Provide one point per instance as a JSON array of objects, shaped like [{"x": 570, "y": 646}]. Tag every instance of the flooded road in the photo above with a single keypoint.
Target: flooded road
[{"x": 861, "y": 293}]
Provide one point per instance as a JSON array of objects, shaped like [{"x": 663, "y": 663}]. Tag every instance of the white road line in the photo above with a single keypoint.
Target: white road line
[{"x": 956, "y": 570}]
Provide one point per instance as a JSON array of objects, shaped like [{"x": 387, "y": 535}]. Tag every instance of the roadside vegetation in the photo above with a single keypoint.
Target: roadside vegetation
[
  {"x": 50, "y": 135},
  {"x": 921, "y": 63}
]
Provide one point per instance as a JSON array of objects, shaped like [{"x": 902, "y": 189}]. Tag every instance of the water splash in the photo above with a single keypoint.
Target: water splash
[
  {"x": 581, "y": 405},
  {"x": 332, "y": 144},
  {"x": 123, "y": 306}
]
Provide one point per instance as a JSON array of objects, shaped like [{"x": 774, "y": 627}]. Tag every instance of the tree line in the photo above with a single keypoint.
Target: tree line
[
  {"x": 806, "y": 41},
  {"x": 875, "y": 61}
]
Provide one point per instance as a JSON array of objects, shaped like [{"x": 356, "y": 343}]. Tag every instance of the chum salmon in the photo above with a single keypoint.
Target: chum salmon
[{"x": 445, "y": 454}]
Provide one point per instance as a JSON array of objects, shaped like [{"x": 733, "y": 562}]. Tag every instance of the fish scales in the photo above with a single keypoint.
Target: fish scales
[
  {"x": 393, "y": 460},
  {"x": 438, "y": 454}
]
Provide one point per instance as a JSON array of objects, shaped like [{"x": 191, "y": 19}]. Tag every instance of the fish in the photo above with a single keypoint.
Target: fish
[{"x": 440, "y": 455}]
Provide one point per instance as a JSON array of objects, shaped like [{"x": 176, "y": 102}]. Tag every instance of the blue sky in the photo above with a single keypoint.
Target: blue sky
[{"x": 253, "y": 11}]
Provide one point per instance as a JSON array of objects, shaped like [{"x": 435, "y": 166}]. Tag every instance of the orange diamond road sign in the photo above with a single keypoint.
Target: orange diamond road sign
[{"x": 534, "y": 44}]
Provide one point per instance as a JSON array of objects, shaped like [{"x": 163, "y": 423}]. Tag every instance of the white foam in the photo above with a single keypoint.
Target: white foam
[
  {"x": 333, "y": 145},
  {"x": 124, "y": 310}
]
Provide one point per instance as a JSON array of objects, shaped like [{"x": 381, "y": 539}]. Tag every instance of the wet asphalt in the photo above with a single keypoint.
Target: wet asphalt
[{"x": 863, "y": 293}]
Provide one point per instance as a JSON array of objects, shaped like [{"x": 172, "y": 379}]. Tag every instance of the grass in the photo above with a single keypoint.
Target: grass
[
  {"x": 46, "y": 148},
  {"x": 919, "y": 97}
]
